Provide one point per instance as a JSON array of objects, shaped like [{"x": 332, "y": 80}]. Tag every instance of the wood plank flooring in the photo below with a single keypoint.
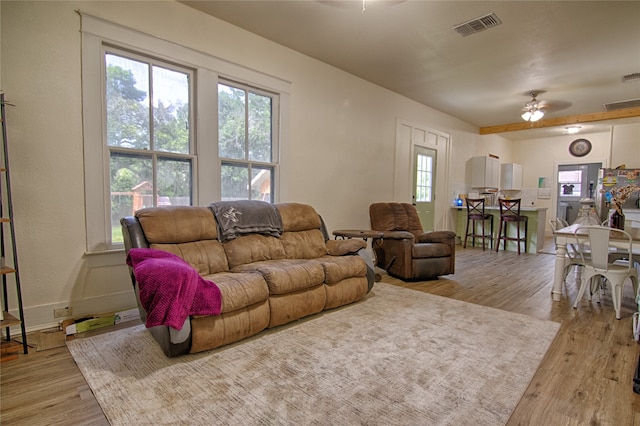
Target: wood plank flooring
[{"x": 585, "y": 379}]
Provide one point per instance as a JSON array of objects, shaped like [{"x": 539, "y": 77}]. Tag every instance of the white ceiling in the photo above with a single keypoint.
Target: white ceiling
[{"x": 575, "y": 51}]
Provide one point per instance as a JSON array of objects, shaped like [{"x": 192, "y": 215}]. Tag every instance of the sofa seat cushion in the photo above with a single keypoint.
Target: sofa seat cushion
[
  {"x": 295, "y": 305},
  {"x": 240, "y": 290},
  {"x": 288, "y": 275},
  {"x": 214, "y": 331},
  {"x": 346, "y": 291},
  {"x": 422, "y": 250},
  {"x": 338, "y": 268}
]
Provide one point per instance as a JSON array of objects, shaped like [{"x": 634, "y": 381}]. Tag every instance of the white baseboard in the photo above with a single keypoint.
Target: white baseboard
[{"x": 41, "y": 317}]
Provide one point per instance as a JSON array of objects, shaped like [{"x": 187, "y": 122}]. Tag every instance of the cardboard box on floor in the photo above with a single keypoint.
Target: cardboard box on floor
[{"x": 93, "y": 322}]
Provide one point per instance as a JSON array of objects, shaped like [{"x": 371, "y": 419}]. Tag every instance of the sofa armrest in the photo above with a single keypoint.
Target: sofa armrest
[
  {"x": 133, "y": 234},
  {"x": 343, "y": 247}
]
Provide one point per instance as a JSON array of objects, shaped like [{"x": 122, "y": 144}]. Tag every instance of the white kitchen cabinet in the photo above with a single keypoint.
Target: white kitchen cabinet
[
  {"x": 485, "y": 172},
  {"x": 511, "y": 176}
]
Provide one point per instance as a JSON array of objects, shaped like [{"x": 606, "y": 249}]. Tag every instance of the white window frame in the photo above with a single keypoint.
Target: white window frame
[{"x": 208, "y": 71}]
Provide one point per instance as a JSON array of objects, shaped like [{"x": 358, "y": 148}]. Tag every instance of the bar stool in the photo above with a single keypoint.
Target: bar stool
[
  {"x": 510, "y": 213},
  {"x": 475, "y": 213}
]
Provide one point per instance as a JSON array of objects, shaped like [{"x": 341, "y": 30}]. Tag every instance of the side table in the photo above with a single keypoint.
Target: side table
[
  {"x": 357, "y": 233},
  {"x": 365, "y": 234}
]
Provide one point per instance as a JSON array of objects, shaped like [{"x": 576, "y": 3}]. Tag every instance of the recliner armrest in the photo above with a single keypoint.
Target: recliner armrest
[{"x": 437, "y": 237}]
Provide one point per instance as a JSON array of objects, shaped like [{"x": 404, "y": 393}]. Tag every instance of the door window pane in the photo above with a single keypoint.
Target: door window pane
[{"x": 424, "y": 178}]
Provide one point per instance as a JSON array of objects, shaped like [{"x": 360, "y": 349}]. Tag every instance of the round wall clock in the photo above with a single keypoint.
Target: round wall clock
[{"x": 580, "y": 147}]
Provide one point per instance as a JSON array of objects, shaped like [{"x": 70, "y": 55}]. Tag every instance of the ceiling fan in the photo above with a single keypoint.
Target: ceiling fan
[{"x": 534, "y": 109}]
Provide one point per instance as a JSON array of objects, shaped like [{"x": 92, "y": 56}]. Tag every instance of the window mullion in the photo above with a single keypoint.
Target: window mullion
[
  {"x": 151, "y": 112},
  {"x": 246, "y": 125}
]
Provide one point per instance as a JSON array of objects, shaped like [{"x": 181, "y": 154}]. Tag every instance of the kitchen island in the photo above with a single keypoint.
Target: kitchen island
[{"x": 537, "y": 219}]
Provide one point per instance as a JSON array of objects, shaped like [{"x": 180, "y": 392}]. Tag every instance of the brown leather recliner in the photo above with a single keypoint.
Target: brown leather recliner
[{"x": 405, "y": 251}]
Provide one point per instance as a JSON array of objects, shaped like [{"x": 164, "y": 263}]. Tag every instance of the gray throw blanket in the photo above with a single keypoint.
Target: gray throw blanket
[{"x": 236, "y": 218}]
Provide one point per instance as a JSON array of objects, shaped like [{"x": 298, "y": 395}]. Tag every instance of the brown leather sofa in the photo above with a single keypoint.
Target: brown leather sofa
[
  {"x": 264, "y": 280},
  {"x": 405, "y": 251}
]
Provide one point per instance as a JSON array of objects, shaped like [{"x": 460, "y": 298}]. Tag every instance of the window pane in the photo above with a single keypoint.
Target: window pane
[
  {"x": 174, "y": 182},
  {"x": 127, "y": 96},
  {"x": 259, "y": 127},
  {"x": 171, "y": 110},
  {"x": 131, "y": 188},
  {"x": 234, "y": 182},
  {"x": 231, "y": 122},
  {"x": 571, "y": 176},
  {"x": 261, "y": 181}
]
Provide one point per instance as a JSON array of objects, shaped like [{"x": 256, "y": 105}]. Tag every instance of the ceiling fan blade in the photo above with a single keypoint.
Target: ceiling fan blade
[{"x": 553, "y": 105}]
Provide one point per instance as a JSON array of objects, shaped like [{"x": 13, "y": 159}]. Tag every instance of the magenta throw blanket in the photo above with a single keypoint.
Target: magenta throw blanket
[{"x": 170, "y": 289}]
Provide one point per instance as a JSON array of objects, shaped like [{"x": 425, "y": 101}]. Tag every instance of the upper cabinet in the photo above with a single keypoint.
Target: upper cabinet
[
  {"x": 511, "y": 176},
  {"x": 485, "y": 172}
]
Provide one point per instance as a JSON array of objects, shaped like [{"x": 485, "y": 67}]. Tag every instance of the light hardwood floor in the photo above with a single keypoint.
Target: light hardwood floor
[{"x": 586, "y": 377}]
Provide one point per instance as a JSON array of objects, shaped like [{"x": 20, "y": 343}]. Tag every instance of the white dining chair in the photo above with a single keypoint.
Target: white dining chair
[
  {"x": 598, "y": 264},
  {"x": 571, "y": 258}
]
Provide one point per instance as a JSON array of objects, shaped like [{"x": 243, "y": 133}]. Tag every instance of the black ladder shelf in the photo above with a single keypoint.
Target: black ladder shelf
[{"x": 6, "y": 218}]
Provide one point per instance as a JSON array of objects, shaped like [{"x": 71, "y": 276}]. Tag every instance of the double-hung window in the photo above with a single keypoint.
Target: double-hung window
[
  {"x": 246, "y": 145},
  {"x": 164, "y": 124},
  {"x": 148, "y": 134},
  {"x": 570, "y": 183}
]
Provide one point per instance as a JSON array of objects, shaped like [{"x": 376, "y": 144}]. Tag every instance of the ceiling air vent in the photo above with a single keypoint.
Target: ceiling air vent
[
  {"x": 478, "y": 24},
  {"x": 631, "y": 103},
  {"x": 631, "y": 77}
]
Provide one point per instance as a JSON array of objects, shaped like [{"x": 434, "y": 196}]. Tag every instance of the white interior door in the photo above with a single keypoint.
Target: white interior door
[
  {"x": 424, "y": 183},
  {"x": 410, "y": 138}
]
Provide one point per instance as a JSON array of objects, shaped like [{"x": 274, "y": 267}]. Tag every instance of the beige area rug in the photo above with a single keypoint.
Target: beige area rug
[{"x": 398, "y": 357}]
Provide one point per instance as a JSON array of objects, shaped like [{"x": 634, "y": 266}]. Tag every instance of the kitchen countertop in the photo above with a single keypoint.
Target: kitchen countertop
[{"x": 522, "y": 209}]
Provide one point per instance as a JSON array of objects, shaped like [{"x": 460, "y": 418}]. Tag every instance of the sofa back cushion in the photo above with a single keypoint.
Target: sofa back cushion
[
  {"x": 298, "y": 217},
  {"x": 253, "y": 248},
  {"x": 304, "y": 244},
  {"x": 186, "y": 231},
  {"x": 177, "y": 224},
  {"x": 302, "y": 237}
]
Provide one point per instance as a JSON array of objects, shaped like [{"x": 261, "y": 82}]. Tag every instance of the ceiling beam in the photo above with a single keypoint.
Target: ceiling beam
[{"x": 563, "y": 121}]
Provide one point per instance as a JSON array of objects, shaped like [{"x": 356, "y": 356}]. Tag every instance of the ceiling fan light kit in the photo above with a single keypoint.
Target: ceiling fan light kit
[{"x": 532, "y": 110}]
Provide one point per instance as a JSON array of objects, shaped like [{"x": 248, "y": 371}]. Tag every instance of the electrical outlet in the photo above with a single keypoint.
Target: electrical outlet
[{"x": 62, "y": 312}]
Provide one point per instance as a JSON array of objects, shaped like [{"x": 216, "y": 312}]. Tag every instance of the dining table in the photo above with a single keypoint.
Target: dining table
[{"x": 567, "y": 235}]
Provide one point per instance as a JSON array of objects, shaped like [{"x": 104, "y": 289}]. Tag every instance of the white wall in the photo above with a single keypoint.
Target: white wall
[{"x": 338, "y": 155}]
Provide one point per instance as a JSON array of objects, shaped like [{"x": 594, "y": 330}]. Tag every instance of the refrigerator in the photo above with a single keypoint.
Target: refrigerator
[{"x": 609, "y": 179}]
